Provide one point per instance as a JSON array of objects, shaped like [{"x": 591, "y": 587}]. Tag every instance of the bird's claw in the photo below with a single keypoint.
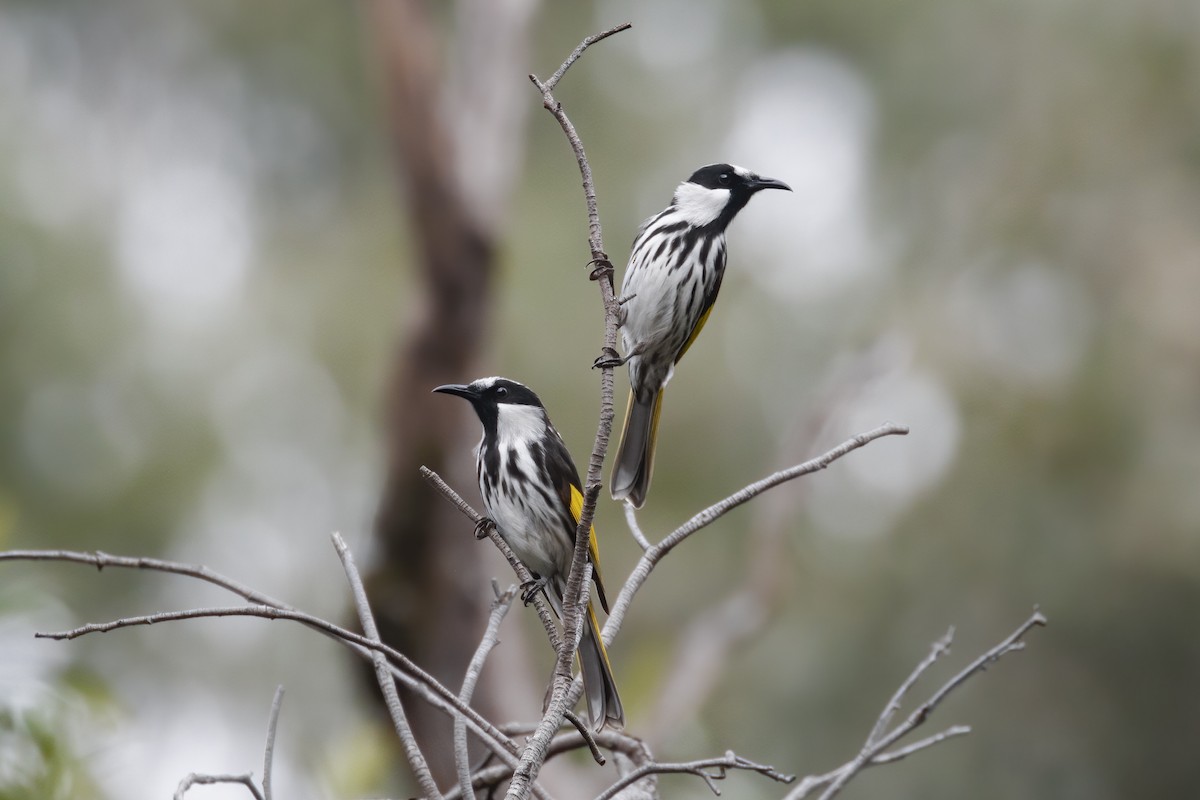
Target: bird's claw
[
  {"x": 530, "y": 589},
  {"x": 609, "y": 359},
  {"x": 481, "y": 527},
  {"x": 601, "y": 267}
]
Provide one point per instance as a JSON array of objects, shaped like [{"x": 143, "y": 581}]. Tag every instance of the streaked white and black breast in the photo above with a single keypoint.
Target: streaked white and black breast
[
  {"x": 674, "y": 273},
  {"x": 519, "y": 491}
]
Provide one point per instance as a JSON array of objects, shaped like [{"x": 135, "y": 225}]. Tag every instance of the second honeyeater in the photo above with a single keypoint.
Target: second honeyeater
[
  {"x": 671, "y": 282},
  {"x": 532, "y": 492}
]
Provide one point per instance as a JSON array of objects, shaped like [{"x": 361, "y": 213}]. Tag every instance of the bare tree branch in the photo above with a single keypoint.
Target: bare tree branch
[
  {"x": 265, "y": 612},
  {"x": 720, "y": 630},
  {"x": 549, "y": 85},
  {"x": 656, "y": 552},
  {"x": 573, "y": 602},
  {"x": 500, "y": 606},
  {"x": 269, "y": 747},
  {"x": 589, "y": 738},
  {"x": 101, "y": 560},
  {"x": 929, "y": 741},
  {"x": 939, "y": 648},
  {"x": 710, "y": 769},
  {"x": 651, "y": 557},
  {"x": 483, "y": 525},
  {"x": 879, "y": 739},
  {"x": 409, "y": 674},
  {"x": 1012, "y": 643},
  {"x": 634, "y": 528},
  {"x": 413, "y": 677},
  {"x": 383, "y": 674}
]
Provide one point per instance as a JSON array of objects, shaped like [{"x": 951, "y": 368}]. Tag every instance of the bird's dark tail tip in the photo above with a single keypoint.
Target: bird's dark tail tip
[
  {"x": 605, "y": 709},
  {"x": 634, "y": 462}
]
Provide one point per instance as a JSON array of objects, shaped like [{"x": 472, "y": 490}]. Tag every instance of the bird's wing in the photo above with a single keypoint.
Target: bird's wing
[
  {"x": 706, "y": 309},
  {"x": 572, "y": 498},
  {"x": 593, "y": 547}
]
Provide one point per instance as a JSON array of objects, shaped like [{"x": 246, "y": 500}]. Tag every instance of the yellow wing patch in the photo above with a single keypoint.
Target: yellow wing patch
[
  {"x": 593, "y": 546},
  {"x": 695, "y": 331}
]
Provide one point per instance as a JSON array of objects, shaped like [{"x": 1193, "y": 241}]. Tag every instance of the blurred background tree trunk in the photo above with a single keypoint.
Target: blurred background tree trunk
[{"x": 457, "y": 134}]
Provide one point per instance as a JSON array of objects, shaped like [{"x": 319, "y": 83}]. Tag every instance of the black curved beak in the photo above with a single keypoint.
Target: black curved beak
[
  {"x": 459, "y": 390},
  {"x": 758, "y": 184}
]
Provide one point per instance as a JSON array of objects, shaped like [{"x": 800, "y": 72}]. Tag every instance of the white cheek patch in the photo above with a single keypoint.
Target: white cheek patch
[
  {"x": 518, "y": 424},
  {"x": 697, "y": 205}
]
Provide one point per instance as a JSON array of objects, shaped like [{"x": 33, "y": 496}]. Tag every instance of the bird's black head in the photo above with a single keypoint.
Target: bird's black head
[
  {"x": 488, "y": 394},
  {"x": 716, "y": 193},
  {"x": 738, "y": 180}
]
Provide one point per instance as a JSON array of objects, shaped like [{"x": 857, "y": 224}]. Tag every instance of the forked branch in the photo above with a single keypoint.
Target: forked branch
[{"x": 875, "y": 750}]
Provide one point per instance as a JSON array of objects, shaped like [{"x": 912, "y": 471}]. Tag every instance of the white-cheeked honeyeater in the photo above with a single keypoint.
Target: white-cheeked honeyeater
[
  {"x": 671, "y": 282},
  {"x": 532, "y": 492}
]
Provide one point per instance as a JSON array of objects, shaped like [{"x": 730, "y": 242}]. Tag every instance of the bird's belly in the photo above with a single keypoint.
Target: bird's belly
[
  {"x": 532, "y": 534},
  {"x": 653, "y": 335}
]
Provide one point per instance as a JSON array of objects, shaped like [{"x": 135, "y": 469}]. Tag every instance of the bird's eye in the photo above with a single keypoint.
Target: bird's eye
[
  {"x": 723, "y": 179},
  {"x": 501, "y": 391}
]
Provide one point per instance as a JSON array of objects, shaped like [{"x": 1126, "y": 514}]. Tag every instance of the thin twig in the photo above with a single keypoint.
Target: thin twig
[
  {"x": 610, "y": 739},
  {"x": 500, "y": 606},
  {"x": 929, "y": 741},
  {"x": 387, "y": 685},
  {"x": 522, "y": 572},
  {"x": 412, "y": 676},
  {"x": 875, "y": 749},
  {"x": 101, "y": 560},
  {"x": 634, "y": 528},
  {"x": 246, "y": 780},
  {"x": 588, "y": 738},
  {"x": 549, "y": 85},
  {"x": 269, "y": 747},
  {"x": 940, "y": 648},
  {"x": 714, "y": 512},
  {"x": 718, "y": 510},
  {"x": 710, "y": 769},
  {"x": 922, "y": 712},
  {"x": 812, "y": 782},
  {"x": 655, "y": 553},
  {"x": 481, "y": 523},
  {"x": 266, "y": 612}
]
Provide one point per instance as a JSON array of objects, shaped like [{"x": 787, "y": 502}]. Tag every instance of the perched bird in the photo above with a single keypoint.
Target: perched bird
[
  {"x": 674, "y": 272},
  {"x": 532, "y": 492}
]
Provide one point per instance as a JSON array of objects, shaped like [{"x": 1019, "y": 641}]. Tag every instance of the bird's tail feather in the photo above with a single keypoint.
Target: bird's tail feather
[
  {"x": 604, "y": 705},
  {"x": 634, "y": 462}
]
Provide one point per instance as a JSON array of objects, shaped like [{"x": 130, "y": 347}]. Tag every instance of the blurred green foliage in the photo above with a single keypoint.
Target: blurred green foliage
[{"x": 204, "y": 271}]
